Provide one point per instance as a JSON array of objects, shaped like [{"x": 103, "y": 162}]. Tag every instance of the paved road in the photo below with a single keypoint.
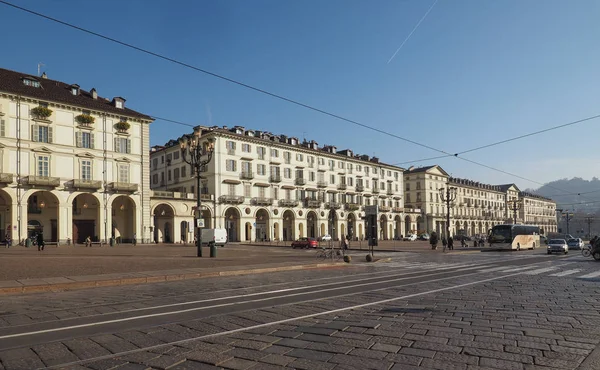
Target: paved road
[{"x": 521, "y": 310}]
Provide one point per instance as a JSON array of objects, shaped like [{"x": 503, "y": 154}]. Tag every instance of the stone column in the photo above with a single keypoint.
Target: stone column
[{"x": 64, "y": 223}]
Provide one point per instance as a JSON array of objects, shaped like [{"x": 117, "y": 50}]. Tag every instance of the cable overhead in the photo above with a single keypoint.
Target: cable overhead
[{"x": 230, "y": 80}]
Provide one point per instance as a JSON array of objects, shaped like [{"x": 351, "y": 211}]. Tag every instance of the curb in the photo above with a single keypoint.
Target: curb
[{"x": 58, "y": 287}]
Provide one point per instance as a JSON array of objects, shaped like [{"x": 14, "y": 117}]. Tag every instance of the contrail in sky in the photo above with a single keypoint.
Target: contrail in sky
[{"x": 413, "y": 31}]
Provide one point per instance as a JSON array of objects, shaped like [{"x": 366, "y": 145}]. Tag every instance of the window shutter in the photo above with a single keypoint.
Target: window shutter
[
  {"x": 128, "y": 145},
  {"x": 92, "y": 140},
  {"x": 2, "y": 128},
  {"x": 78, "y": 139},
  {"x": 50, "y": 139},
  {"x": 35, "y": 133},
  {"x": 117, "y": 146}
]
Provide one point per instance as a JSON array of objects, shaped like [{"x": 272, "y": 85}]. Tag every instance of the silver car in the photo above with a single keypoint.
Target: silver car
[
  {"x": 575, "y": 243},
  {"x": 558, "y": 246}
]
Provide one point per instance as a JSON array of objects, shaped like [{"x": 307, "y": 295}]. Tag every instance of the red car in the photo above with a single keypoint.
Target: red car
[{"x": 305, "y": 243}]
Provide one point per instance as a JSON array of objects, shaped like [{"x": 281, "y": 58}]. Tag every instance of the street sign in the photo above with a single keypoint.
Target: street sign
[
  {"x": 371, "y": 210},
  {"x": 199, "y": 222}
]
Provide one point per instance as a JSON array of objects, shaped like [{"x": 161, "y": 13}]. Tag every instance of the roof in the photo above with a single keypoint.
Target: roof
[
  {"x": 425, "y": 169},
  {"x": 505, "y": 187},
  {"x": 57, "y": 91}
]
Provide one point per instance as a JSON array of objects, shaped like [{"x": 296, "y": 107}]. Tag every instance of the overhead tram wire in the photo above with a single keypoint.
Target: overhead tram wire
[
  {"x": 262, "y": 91},
  {"x": 230, "y": 80}
]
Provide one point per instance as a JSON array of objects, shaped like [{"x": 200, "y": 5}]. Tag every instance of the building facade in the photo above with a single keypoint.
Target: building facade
[
  {"x": 260, "y": 186},
  {"x": 72, "y": 164},
  {"x": 538, "y": 210}
]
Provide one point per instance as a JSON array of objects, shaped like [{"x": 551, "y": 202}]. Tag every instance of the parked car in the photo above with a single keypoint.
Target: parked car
[
  {"x": 326, "y": 238},
  {"x": 304, "y": 243},
  {"x": 424, "y": 236},
  {"x": 217, "y": 237},
  {"x": 558, "y": 246},
  {"x": 411, "y": 237},
  {"x": 575, "y": 243}
]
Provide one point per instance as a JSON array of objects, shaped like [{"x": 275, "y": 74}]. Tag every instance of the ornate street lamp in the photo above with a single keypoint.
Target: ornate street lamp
[
  {"x": 448, "y": 195},
  {"x": 515, "y": 205},
  {"x": 197, "y": 153}
]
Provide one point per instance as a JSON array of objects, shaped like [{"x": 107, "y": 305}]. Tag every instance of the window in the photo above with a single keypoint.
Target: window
[
  {"x": 311, "y": 176},
  {"x": 341, "y": 165},
  {"x": 154, "y": 163},
  {"x": 32, "y": 83},
  {"x": 2, "y": 128},
  {"x": 162, "y": 159},
  {"x": 261, "y": 152},
  {"x": 119, "y": 104},
  {"x": 331, "y": 165},
  {"x": 169, "y": 176},
  {"x": 231, "y": 189},
  {"x": 246, "y": 168},
  {"x": 247, "y": 190},
  {"x": 299, "y": 157},
  {"x": 276, "y": 193},
  {"x": 367, "y": 170},
  {"x": 123, "y": 145},
  {"x": 332, "y": 179},
  {"x": 350, "y": 181},
  {"x": 366, "y": 183},
  {"x": 86, "y": 170},
  {"x": 230, "y": 145},
  {"x": 287, "y": 173},
  {"x": 262, "y": 192},
  {"x": 274, "y": 153},
  {"x": 176, "y": 174},
  {"x": 231, "y": 165},
  {"x": 176, "y": 155},
  {"x": 321, "y": 161},
  {"x": 261, "y": 169},
  {"x": 123, "y": 174},
  {"x": 183, "y": 171},
  {"x": 162, "y": 178},
  {"x": 299, "y": 174},
  {"x": 43, "y": 166},
  {"x": 246, "y": 148},
  {"x": 287, "y": 157},
  {"x": 84, "y": 140},
  {"x": 155, "y": 178},
  {"x": 41, "y": 134}
]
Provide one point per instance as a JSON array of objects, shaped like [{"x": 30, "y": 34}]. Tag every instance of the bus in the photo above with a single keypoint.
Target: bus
[{"x": 514, "y": 236}]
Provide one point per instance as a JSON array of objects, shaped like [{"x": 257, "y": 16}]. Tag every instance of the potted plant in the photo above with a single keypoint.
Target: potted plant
[
  {"x": 122, "y": 126},
  {"x": 85, "y": 119},
  {"x": 41, "y": 112}
]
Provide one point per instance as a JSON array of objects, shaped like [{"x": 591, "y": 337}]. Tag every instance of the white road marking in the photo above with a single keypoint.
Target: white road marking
[
  {"x": 565, "y": 273},
  {"x": 519, "y": 269},
  {"x": 539, "y": 271},
  {"x": 493, "y": 269},
  {"x": 290, "y": 319},
  {"x": 590, "y": 275}
]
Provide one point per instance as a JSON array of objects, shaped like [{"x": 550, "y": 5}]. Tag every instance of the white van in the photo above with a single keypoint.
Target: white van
[{"x": 217, "y": 237}]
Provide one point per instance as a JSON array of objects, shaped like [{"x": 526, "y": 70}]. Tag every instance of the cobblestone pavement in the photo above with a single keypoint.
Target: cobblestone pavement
[{"x": 484, "y": 311}]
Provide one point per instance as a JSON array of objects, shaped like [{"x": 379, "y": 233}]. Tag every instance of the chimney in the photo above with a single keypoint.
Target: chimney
[
  {"x": 94, "y": 93},
  {"x": 44, "y": 76}
]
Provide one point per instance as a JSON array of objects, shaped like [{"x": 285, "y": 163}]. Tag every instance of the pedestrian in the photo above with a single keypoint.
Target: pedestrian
[
  {"x": 450, "y": 243},
  {"x": 7, "y": 241},
  {"x": 134, "y": 239},
  {"x": 444, "y": 242},
  {"x": 433, "y": 240},
  {"x": 40, "y": 241},
  {"x": 462, "y": 242},
  {"x": 88, "y": 242}
]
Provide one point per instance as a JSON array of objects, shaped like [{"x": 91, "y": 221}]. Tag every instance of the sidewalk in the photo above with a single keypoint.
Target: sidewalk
[{"x": 26, "y": 270}]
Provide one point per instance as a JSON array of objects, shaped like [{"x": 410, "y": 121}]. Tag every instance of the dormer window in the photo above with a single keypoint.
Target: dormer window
[
  {"x": 31, "y": 82},
  {"x": 75, "y": 89},
  {"x": 119, "y": 102}
]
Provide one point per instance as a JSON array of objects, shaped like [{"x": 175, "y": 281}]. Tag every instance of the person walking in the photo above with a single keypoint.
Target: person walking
[
  {"x": 134, "y": 239},
  {"x": 444, "y": 243},
  {"x": 40, "y": 242},
  {"x": 433, "y": 240},
  {"x": 88, "y": 242},
  {"x": 450, "y": 243}
]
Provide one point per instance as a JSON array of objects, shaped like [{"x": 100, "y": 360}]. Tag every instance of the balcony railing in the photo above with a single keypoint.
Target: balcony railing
[
  {"x": 288, "y": 203},
  {"x": 342, "y": 186},
  {"x": 246, "y": 175},
  {"x": 322, "y": 184},
  {"x": 231, "y": 199},
  {"x": 352, "y": 206},
  {"x": 300, "y": 181},
  {"x": 397, "y": 209},
  {"x": 334, "y": 205},
  {"x": 360, "y": 188},
  {"x": 85, "y": 184},
  {"x": 313, "y": 203},
  {"x": 275, "y": 178},
  {"x": 6, "y": 178},
  {"x": 262, "y": 201},
  {"x": 41, "y": 181},
  {"x": 375, "y": 190},
  {"x": 123, "y": 186},
  {"x": 385, "y": 208}
]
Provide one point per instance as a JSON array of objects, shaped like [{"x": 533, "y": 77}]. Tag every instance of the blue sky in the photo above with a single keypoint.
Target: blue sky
[{"x": 474, "y": 72}]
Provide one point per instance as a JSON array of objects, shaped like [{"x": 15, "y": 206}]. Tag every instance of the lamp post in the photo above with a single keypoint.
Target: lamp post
[
  {"x": 589, "y": 221},
  {"x": 448, "y": 195},
  {"x": 568, "y": 216},
  {"x": 515, "y": 205},
  {"x": 197, "y": 154}
]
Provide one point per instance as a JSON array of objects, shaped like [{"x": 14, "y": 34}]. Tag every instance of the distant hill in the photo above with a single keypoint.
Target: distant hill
[{"x": 589, "y": 191}]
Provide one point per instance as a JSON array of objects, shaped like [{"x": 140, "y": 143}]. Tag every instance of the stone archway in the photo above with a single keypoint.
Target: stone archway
[
  {"x": 7, "y": 229},
  {"x": 421, "y": 226},
  {"x": 184, "y": 231},
  {"x": 86, "y": 214},
  {"x": 407, "y": 225},
  {"x": 311, "y": 226},
  {"x": 262, "y": 231},
  {"x": 288, "y": 225},
  {"x": 383, "y": 230},
  {"x": 123, "y": 225},
  {"x": 352, "y": 225},
  {"x": 473, "y": 228},
  {"x": 232, "y": 224},
  {"x": 332, "y": 220},
  {"x": 163, "y": 223},
  {"x": 276, "y": 235},
  {"x": 42, "y": 206},
  {"x": 361, "y": 235},
  {"x": 398, "y": 225},
  {"x": 248, "y": 231}
]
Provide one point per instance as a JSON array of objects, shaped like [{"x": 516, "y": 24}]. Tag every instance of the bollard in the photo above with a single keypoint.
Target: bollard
[{"x": 213, "y": 250}]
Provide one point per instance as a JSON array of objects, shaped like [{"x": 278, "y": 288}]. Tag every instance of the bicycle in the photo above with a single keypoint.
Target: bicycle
[{"x": 586, "y": 251}]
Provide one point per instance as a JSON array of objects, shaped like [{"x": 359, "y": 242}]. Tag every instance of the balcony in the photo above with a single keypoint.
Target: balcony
[
  {"x": 231, "y": 199},
  {"x": 262, "y": 201},
  {"x": 41, "y": 181},
  {"x": 342, "y": 186},
  {"x": 375, "y": 190},
  {"x": 390, "y": 192},
  {"x": 246, "y": 175},
  {"x": 6, "y": 178},
  {"x": 397, "y": 209},
  {"x": 334, "y": 205},
  {"x": 300, "y": 181},
  {"x": 275, "y": 178},
  {"x": 322, "y": 184},
  {"x": 123, "y": 186},
  {"x": 360, "y": 188},
  {"x": 352, "y": 206},
  {"x": 85, "y": 184},
  {"x": 288, "y": 203},
  {"x": 385, "y": 208},
  {"x": 313, "y": 203}
]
